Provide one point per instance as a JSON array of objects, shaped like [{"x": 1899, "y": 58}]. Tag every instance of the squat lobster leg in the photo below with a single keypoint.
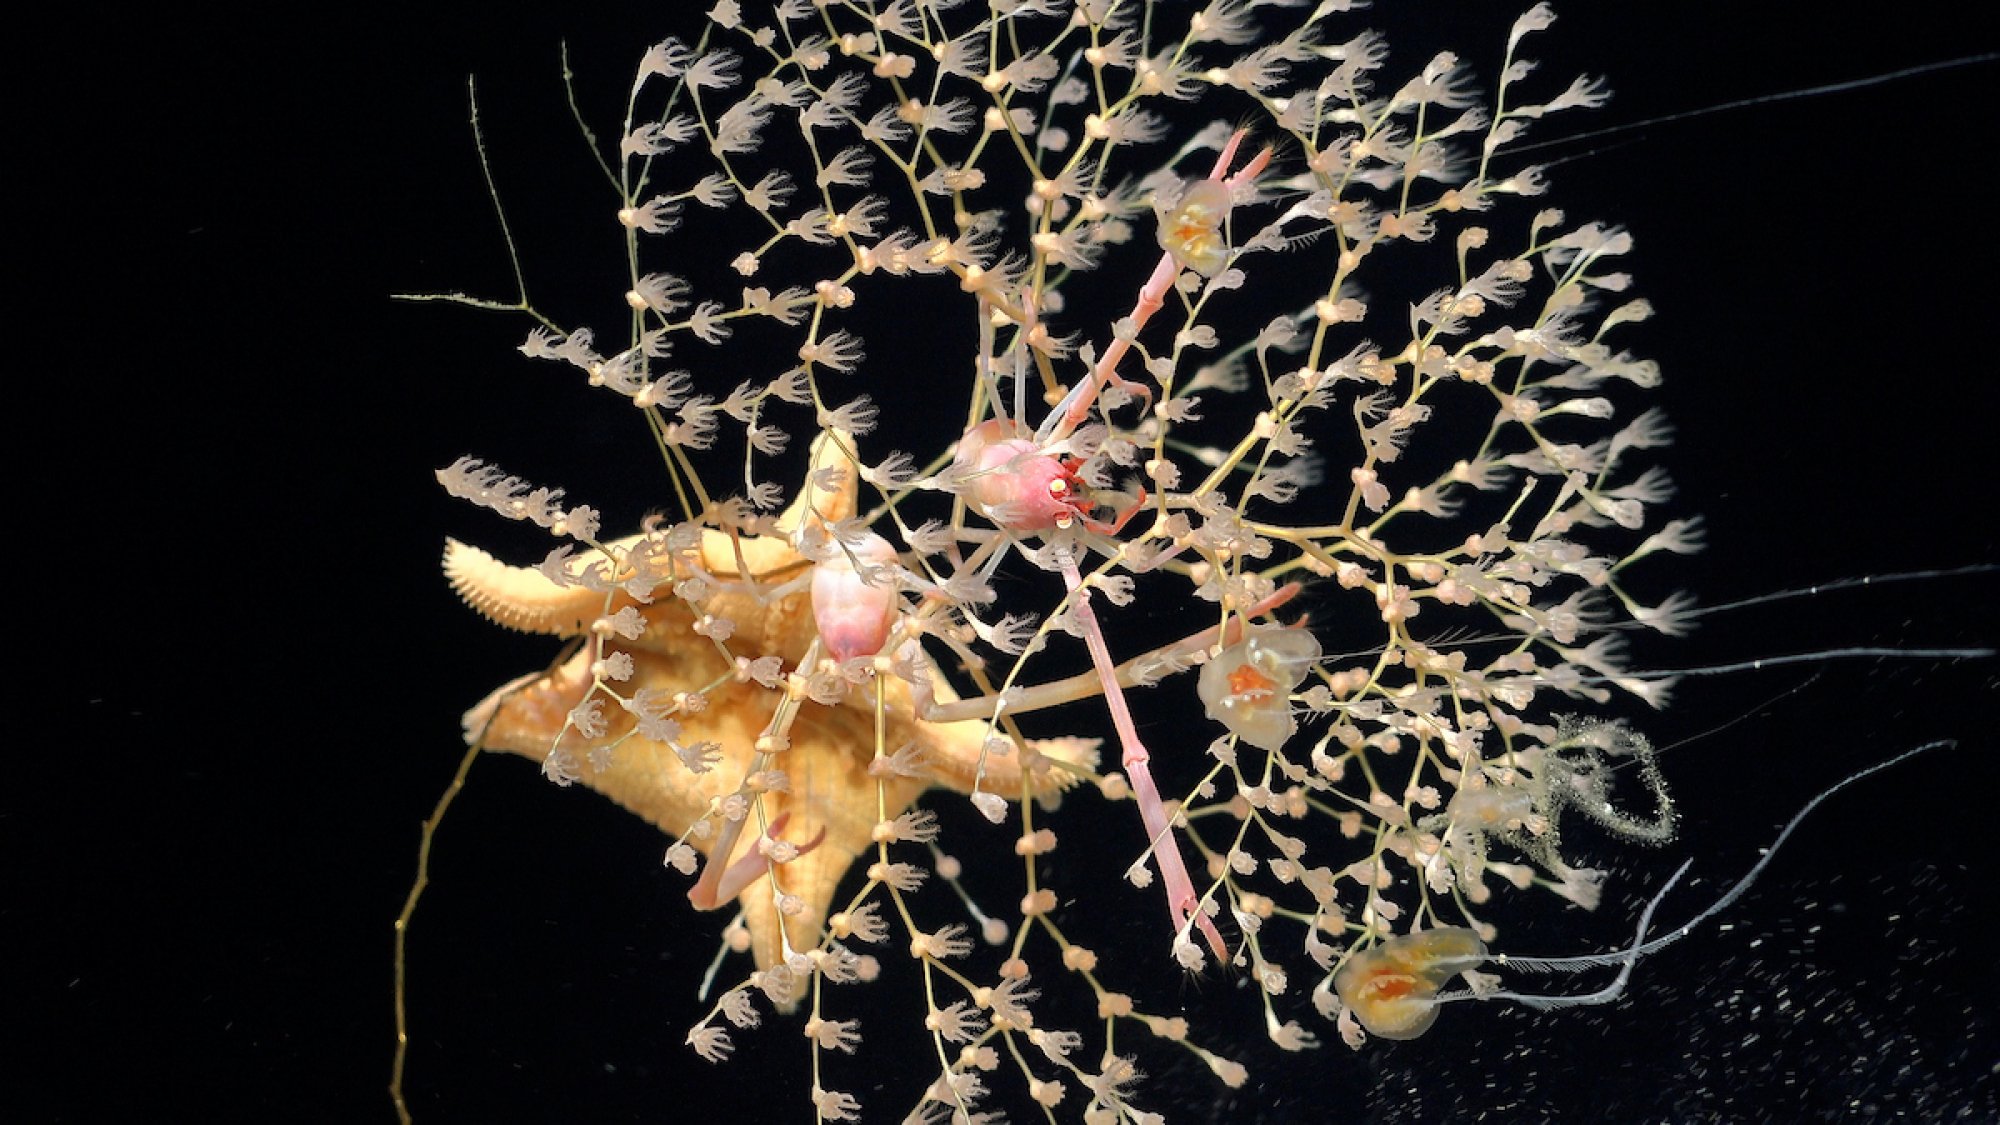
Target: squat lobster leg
[
  {"x": 1075, "y": 406},
  {"x": 1085, "y": 685},
  {"x": 1182, "y": 901},
  {"x": 720, "y": 883},
  {"x": 1016, "y": 482}
]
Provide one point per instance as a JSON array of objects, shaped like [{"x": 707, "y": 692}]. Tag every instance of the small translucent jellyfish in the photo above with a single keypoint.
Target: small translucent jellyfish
[
  {"x": 1493, "y": 808},
  {"x": 1248, "y": 687},
  {"x": 1393, "y": 988}
]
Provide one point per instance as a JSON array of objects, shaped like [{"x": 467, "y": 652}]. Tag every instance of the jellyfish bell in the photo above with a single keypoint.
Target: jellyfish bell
[{"x": 1190, "y": 228}]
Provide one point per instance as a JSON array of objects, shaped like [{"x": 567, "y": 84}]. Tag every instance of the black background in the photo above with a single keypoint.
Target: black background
[{"x": 243, "y": 675}]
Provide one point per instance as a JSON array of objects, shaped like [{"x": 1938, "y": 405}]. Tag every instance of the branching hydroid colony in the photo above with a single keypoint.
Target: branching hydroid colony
[{"x": 1366, "y": 385}]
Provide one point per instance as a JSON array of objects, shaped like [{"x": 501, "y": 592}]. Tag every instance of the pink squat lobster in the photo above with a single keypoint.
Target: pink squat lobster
[{"x": 1022, "y": 488}]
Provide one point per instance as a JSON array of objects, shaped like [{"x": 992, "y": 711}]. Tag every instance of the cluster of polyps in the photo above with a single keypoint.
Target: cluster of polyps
[{"x": 776, "y": 691}]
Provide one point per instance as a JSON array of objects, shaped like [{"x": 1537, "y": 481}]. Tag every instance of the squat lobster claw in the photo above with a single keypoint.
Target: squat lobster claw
[{"x": 1070, "y": 489}]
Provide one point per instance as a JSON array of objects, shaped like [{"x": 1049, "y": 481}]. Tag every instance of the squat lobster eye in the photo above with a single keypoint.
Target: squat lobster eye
[{"x": 1012, "y": 482}]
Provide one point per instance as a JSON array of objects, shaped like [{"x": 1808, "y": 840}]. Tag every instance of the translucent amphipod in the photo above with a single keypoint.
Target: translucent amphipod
[
  {"x": 1248, "y": 686},
  {"x": 1393, "y": 988}
]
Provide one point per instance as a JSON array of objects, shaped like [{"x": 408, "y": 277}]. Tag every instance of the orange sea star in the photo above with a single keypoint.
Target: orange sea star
[{"x": 828, "y": 784}]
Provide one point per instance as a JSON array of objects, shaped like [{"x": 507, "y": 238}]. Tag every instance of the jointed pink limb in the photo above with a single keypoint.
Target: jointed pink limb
[
  {"x": 721, "y": 882},
  {"x": 1022, "y": 486},
  {"x": 1181, "y": 898},
  {"x": 1075, "y": 406}
]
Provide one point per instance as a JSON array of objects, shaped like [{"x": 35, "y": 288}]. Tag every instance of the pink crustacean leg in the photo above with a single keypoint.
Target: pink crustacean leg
[
  {"x": 1085, "y": 685},
  {"x": 1040, "y": 512},
  {"x": 1075, "y": 406},
  {"x": 1181, "y": 898},
  {"x": 721, "y": 881},
  {"x": 1030, "y": 492}
]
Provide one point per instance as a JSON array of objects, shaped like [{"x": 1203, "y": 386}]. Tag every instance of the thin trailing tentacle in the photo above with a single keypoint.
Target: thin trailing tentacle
[{"x": 1729, "y": 897}]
